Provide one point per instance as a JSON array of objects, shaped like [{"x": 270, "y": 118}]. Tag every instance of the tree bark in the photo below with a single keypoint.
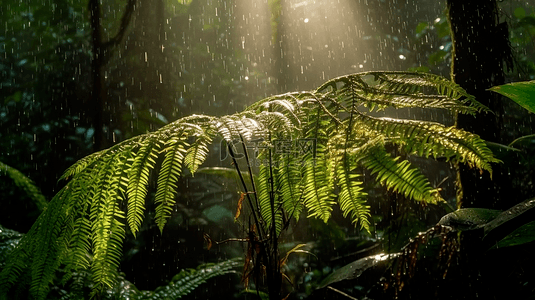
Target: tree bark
[
  {"x": 97, "y": 92},
  {"x": 479, "y": 47},
  {"x": 480, "y": 50},
  {"x": 99, "y": 59}
]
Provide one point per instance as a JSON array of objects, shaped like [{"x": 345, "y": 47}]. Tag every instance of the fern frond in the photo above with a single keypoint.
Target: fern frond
[
  {"x": 90, "y": 160},
  {"x": 170, "y": 173},
  {"x": 269, "y": 203},
  {"x": 352, "y": 198},
  {"x": 25, "y": 184},
  {"x": 48, "y": 247},
  {"x": 227, "y": 127},
  {"x": 286, "y": 106},
  {"x": 197, "y": 153},
  {"x": 187, "y": 280},
  {"x": 79, "y": 244},
  {"x": 400, "y": 81},
  {"x": 17, "y": 263},
  {"x": 405, "y": 90},
  {"x": 398, "y": 176},
  {"x": 81, "y": 164},
  {"x": 107, "y": 223},
  {"x": 275, "y": 121},
  {"x": 317, "y": 195},
  {"x": 291, "y": 98},
  {"x": 433, "y": 139},
  {"x": 138, "y": 180},
  {"x": 288, "y": 178}
]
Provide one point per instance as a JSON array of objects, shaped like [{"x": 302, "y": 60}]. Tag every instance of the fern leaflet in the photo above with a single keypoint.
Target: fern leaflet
[
  {"x": 138, "y": 179},
  {"x": 167, "y": 179}
]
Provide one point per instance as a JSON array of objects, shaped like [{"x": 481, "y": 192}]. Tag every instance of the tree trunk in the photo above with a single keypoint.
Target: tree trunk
[
  {"x": 480, "y": 48},
  {"x": 97, "y": 92}
]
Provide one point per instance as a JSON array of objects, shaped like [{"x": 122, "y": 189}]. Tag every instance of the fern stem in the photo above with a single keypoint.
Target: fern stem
[
  {"x": 272, "y": 201},
  {"x": 260, "y": 229},
  {"x": 328, "y": 112},
  {"x": 250, "y": 171}
]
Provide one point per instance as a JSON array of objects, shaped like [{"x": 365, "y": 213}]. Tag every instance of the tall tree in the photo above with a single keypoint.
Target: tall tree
[
  {"x": 101, "y": 54},
  {"x": 480, "y": 51}
]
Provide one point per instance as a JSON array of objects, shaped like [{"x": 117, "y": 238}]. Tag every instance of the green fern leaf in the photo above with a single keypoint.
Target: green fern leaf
[
  {"x": 197, "y": 153},
  {"x": 108, "y": 229},
  {"x": 227, "y": 127},
  {"x": 398, "y": 176},
  {"x": 47, "y": 251},
  {"x": 288, "y": 178},
  {"x": 138, "y": 179},
  {"x": 79, "y": 245},
  {"x": 25, "y": 184},
  {"x": 86, "y": 213},
  {"x": 187, "y": 280},
  {"x": 269, "y": 203},
  {"x": 432, "y": 139},
  {"x": 167, "y": 179},
  {"x": 81, "y": 164},
  {"x": 398, "y": 90},
  {"x": 285, "y": 107},
  {"x": 403, "y": 80},
  {"x": 17, "y": 264},
  {"x": 352, "y": 198},
  {"x": 317, "y": 195}
]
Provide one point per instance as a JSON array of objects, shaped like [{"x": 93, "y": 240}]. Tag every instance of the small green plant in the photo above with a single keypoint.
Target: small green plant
[{"x": 86, "y": 223}]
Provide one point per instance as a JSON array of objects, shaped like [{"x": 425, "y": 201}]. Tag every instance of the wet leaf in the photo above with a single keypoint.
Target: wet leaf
[
  {"x": 422, "y": 26},
  {"x": 469, "y": 218},
  {"x": 521, "y": 235},
  {"x": 358, "y": 267},
  {"x": 522, "y": 93},
  {"x": 512, "y": 218},
  {"x": 520, "y": 12}
]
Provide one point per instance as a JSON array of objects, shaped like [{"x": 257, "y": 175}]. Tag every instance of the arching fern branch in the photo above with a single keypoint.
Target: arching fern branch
[
  {"x": 428, "y": 139},
  {"x": 106, "y": 191},
  {"x": 378, "y": 90},
  {"x": 25, "y": 184},
  {"x": 398, "y": 176},
  {"x": 170, "y": 172}
]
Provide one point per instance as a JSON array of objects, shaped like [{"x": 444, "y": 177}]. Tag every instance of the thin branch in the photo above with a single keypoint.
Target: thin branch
[
  {"x": 246, "y": 154},
  {"x": 260, "y": 229},
  {"x": 125, "y": 20},
  {"x": 341, "y": 293}
]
